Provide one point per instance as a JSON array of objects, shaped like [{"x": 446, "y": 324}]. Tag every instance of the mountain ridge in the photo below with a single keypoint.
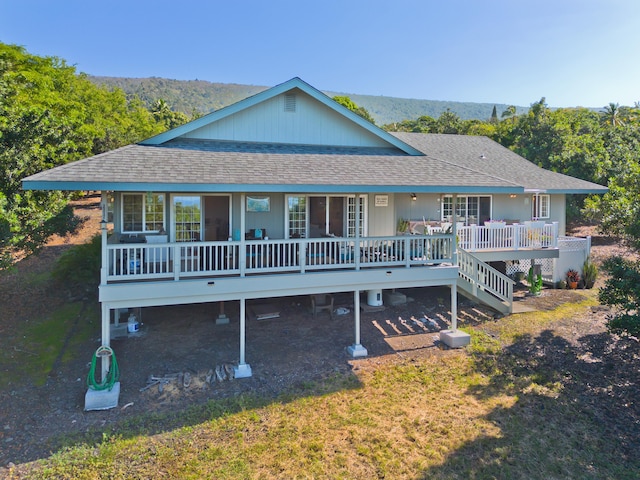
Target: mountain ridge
[{"x": 203, "y": 97}]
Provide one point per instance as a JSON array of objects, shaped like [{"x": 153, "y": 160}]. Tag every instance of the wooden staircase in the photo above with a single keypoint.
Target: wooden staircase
[{"x": 482, "y": 282}]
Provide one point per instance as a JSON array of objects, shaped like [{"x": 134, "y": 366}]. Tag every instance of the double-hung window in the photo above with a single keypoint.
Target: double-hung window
[
  {"x": 541, "y": 206},
  {"x": 142, "y": 213}
]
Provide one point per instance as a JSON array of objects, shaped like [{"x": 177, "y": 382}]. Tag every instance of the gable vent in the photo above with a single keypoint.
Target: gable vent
[{"x": 289, "y": 102}]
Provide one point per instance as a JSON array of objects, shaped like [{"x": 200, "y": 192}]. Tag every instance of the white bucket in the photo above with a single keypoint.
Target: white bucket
[
  {"x": 374, "y": 298},
  {"x": 133, "y": 325}
]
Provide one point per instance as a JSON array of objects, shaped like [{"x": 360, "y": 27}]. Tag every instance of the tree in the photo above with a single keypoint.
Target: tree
[
  {"x": 510, "y": 112},
  {"x": 612, "y": 115},
  {"x": 351, "y": 105},
  {"x": 448, "y": 122},
  {"x": 50, "y": 116},
  {"x": 166, "y": 116},
  {"x": 494, "y": 115},
  {"x": 622, "y": 290}
]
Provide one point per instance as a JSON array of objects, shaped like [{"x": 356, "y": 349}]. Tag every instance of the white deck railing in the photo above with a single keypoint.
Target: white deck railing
[
  {"x": 142, "y": 261},
  {"x": 482, "y": 276},
  {"x": 476, "y": 238}
]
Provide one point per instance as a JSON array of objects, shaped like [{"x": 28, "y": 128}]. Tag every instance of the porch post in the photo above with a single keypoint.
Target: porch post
[
  {"x": 453, "y": 337},
  {"x": 242, "y": 261},
  {"x": 243, "y": 370},
  {"x": 357, "y": 350},
  {"x": 454, "y": 306},
  {"x": 222, "y": 317},
  {"x": 357, "y": 251},
  {"x": 105, "y": 257},
  {"x": 106, "y": 338},
  {"x": 454, "y": 230}
]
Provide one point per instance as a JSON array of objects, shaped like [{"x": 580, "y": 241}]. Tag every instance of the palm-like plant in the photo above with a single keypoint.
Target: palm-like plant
[{"x": 612, "y": 114}]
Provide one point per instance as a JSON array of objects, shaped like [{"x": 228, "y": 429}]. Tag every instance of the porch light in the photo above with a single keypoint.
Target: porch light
[
  {"x": 513, "y": 195},
  {"x": 414, "y": 197}
]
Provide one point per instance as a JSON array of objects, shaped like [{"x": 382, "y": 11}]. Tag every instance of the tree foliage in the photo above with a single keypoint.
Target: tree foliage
[
  {"x": 622, "y": 291},
  {"x": 49, "y": 116},
  {"x": 351, "y": 105}
]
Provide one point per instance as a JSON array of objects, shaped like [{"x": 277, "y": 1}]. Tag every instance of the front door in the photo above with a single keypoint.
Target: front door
[{"x": 216, "y": 218}]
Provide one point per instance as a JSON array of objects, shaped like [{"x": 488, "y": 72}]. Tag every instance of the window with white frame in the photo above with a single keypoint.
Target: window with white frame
[
  {"x": 471, "y": 209},
  {"x": 142, "y": 212},
  {"x": 297, "y": 216},
  {"x": 188, "y": 218},
  {"x": 316, "y": 215},
  {"x": 351, "y": 216},
  {"x": 541, "y": 206}
]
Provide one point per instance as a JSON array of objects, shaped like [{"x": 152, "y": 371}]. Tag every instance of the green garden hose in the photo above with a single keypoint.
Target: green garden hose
[{"x": 112, "y": 375}]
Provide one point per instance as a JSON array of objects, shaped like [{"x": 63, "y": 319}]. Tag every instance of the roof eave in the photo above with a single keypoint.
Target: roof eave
[{"x": 265, "y": 188}]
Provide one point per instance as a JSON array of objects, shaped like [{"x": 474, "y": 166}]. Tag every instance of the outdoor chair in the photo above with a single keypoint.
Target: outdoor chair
[{"x": 321, "y": 302}]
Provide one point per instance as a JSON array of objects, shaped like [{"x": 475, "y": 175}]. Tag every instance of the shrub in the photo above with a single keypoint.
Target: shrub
[
  {"x": 622, "y": 290},
  {"x": 589, "y": 273},
  {"x": 79, "y": 267},
  {"x": 535, "y": 284}
]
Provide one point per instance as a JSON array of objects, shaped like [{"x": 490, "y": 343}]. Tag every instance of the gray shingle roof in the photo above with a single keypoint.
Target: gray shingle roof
[
  {"x": 451, "y": 163},
  {"x": 284, "y": 169},
  {"x": 482, "y": 154}
]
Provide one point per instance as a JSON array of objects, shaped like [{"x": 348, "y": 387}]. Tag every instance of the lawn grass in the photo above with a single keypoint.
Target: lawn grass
[
  {"x": 45, "y": 341},
  {"x": 494, "y": 410}
]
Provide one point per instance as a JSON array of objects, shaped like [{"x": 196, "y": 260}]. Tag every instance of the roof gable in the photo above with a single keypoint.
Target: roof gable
[{"x": 266, "y": 117}]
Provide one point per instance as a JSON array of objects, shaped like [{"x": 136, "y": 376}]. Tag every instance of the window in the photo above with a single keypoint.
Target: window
[
  {"x": 142, "y": 212},
  {"x": 541, "y": 206},
  {"x": 297, "y": 216},
  {"x": 316, "y": 216},
  {"x": 469, "y": 209},
  {"x": 188, "y": 214},
  {"x": 108, "y": 206},
  {"x": 351, "y": 216}
]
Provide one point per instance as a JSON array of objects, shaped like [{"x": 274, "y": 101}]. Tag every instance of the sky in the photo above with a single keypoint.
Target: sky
[{"x": 514, "y": 52}]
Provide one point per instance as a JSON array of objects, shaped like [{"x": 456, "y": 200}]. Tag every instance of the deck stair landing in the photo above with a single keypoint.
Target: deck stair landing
[{"x": 484, "y": 283}]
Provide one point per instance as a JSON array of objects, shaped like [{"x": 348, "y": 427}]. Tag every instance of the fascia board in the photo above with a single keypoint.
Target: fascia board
[{"x": 282, "y": 188}]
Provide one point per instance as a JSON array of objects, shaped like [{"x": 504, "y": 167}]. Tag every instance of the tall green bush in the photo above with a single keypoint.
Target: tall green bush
[
  {"x": 78, "y": 269},
  {"x": 622, "y": 291}
]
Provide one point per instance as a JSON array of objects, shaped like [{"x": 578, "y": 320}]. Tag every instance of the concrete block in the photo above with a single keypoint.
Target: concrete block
[
  {"x": 394, "y": 298},
  {"x": 102, "y": 399},
  {"x": 455, "y": 339},
  {"x": 243, "y": 370},
  {"x": 357, "y": 351}
]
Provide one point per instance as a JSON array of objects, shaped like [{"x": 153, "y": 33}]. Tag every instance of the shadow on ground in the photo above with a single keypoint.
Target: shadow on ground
[{"x": 572, "y": 400}]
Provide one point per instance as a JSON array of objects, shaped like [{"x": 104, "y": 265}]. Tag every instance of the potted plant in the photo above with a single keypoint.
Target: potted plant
[
  {"x": 535, "y": 283},
  {"x": 402, "y": 226},
  {"x": 573, "y": 277},
  {"x": 589, "y": 273}
]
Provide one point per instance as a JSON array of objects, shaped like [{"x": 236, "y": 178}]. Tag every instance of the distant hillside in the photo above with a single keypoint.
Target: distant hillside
[{"x": 201, "y": 96}]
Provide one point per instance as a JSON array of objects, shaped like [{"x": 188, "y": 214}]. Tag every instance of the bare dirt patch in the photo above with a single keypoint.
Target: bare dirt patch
[{"x": 284, "y": 352}]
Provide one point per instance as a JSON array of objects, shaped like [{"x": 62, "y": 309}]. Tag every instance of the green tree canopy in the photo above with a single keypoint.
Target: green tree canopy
[
  {"x": 49, "y": 116},
  {"x": 351, "y": 105}
]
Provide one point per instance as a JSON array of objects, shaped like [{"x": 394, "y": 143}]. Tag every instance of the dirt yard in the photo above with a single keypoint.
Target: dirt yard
[{"x": 184, "y": 345}]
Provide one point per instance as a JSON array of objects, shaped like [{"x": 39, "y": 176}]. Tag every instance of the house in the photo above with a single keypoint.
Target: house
[{"x": 289, "y": 193}]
